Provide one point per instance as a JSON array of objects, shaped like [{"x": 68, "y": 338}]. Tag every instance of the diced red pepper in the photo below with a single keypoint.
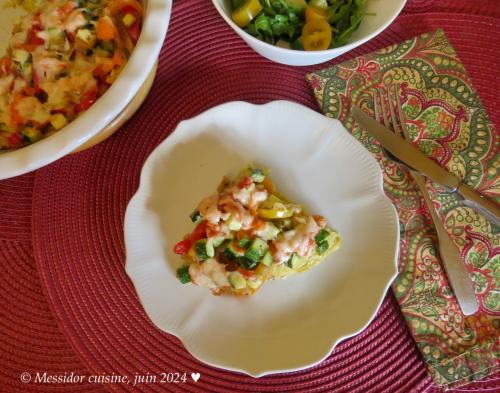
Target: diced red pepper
[
  {"x": 199, "y": 232},
  {"x": 245, "y": 182},
  {"x": 185, "y": 245},
  {"x": 15, "y": 140},
  {"x": 116, "y": 6},
  {"x": 87, "y": 101},
  {"x": 5, "y": 66},
  {"x": 32, "y": 37},
  {"x": 212, "y": 230},
  {"x": 246, "y": 273},
  {"x": 182, "y": 247},
  {"x": 66, "y": 9},
  {"x": 36, "y": 82},
  {"x": 29, "y": 91},
  {"x": 134, "y": 31},
  {"x": 15, "y": 115},
  {"x": 320, "y": 220},
  {"x": 128, "y": 9}
]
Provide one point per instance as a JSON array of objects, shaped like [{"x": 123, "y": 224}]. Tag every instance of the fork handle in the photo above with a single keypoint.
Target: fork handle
[{"x": 458, "y": 275}]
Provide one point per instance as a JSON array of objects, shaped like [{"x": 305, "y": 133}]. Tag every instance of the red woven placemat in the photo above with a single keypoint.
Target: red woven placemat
[
  {"x": 30, "y": 339},
  {"x": 79, "y": 203}
]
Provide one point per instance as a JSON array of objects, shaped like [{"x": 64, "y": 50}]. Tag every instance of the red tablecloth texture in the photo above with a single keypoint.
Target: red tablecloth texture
[{"x": 67, "y": 304}]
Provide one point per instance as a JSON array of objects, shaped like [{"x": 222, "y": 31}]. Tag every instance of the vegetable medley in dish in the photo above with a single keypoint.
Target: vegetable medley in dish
[
  {"x": 61, "y": 58},
  {"x": 300, "y": 24},
  {"x": 248, "y": 234}
]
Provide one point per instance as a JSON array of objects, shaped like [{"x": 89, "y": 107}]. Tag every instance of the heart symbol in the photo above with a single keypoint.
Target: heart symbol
[{"x": 195, "y": 376}]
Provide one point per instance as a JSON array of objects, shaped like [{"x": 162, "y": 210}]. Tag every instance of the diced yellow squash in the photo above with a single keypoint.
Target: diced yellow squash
[
  {"x": 58, "y": 121},
  {"x": 128, "y": 20}
]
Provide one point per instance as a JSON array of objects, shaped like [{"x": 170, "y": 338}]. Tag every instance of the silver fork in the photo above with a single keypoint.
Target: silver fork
[{"x": 455, "y": 268}]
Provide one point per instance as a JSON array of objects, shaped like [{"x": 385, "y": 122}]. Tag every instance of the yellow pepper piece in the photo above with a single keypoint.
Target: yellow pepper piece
[
  {"x": 275, "y": 213},
  {"x": 316, "y": 35},
  {"x": 128, "y": 20},
  {"x": 248, "y": 10},
  {"x": 315, "y": 13},
  {"x": 58, "y": 121},
  {"x": 275, "y": 208}
]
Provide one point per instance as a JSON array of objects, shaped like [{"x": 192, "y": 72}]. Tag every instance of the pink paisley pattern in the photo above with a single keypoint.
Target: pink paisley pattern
[{"x": 446, "y": 120}]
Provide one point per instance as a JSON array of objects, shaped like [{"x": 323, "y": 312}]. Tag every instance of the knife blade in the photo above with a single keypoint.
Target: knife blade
[{"x": 414, "y": 158}]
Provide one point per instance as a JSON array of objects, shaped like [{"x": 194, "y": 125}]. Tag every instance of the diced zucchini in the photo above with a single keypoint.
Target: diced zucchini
[
  {"x": 216, "y": 241},
  {"x": 128, "y": 20},
  {"x": 237, "y": 280},
  {"x": 247, "y": 263},
  {"x": 195, "y": 216},
  {"x": 204, "y": 249},
  {"x": 233, "y": 224},
  {"x": 107, "y": 45},
  {"x": 20, "y": 56},
  {"x": 321, "y": 236},
  {"x": 56, "y": 37},
  {"x": 183, "y": 274},
  {"x": 85, "y": 38},
  {"x": 58, "y": 121},
  {"x": 31, "y": 134},
  {"x": 294, "y": 261},
  {"x": 284, "y": 224},
  {"x": 256, "y": 250},
  {"x": 322, "y": 247},
  {"x": 270, "y": 231},
  {"x": 27, "y": 69},
  {"x": 267, "y": 259},
  {"x": 254, "y": 283},
  {"x": 232, "y": 253},
  {"x": 257, "y": 175},
  {"x": 245, "y": 242},
  {"x": 102, "y": 52}
]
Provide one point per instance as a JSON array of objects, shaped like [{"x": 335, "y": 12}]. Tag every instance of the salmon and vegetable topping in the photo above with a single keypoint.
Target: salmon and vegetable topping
[{"x": 247, "y": 233}]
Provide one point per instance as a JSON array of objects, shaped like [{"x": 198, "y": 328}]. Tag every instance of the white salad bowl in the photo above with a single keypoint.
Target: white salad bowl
[
  {"x": 288, "y": 324},
  {"x": 381, "y": 14},
  {"x": 131, "y": 85}
]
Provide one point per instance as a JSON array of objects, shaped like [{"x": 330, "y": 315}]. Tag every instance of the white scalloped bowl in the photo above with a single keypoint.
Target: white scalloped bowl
[
  {"x": 382, "y": 13},
  {"x": 289, "y": 324},
  {"x": 106, "y": 109}
]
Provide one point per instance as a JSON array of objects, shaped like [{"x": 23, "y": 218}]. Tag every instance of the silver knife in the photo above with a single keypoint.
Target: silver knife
[{"x": 414, "y": 158}]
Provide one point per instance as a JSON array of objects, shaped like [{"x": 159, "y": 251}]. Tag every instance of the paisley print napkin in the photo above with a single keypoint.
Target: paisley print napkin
[{"x": 447, "y": 121}]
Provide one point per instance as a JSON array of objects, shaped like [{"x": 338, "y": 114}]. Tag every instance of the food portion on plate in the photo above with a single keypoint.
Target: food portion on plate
[
  {"x": 248, "y": 234},
  {"x": 309, "y": 25},
  {"x": 61, "y": 58}
]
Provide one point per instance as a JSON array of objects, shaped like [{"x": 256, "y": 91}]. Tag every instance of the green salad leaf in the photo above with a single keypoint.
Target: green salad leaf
[
  {"x": 284, "y": 20},
  {"x": 345, "y": 20}
]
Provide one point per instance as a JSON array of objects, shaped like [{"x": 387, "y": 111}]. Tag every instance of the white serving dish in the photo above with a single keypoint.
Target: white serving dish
[{"x": 105, "y": 111}]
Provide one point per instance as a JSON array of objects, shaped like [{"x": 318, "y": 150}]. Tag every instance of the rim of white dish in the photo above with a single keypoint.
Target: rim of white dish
[
  {"x": 343, "y": 48},
  {"x": 144, "y": 189},
  {"x": 108, "y": 106}
]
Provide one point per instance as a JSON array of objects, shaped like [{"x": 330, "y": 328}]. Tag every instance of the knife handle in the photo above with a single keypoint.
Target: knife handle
[
  {"x": 458, "y": 276},
  {"x": 482, "y": 200}
]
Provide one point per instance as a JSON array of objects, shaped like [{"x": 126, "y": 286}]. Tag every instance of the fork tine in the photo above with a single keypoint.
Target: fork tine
[
  {"x": 387, "y": 123},
  {"x": 402, "y": 116},
  {"x": 395, "y": 119},
  {"x": 376, "y": 108}
]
